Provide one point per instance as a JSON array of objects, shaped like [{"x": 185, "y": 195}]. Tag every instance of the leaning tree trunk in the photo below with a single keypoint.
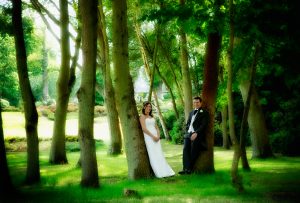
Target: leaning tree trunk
[
  {"x": 172, "y": 71},
  {"x": 261, "y": 147},
  {"x": 147, "y": 54},
  {"x": 58, "y": 152},
  {"x": 160, "y": 116},
  {"x": 31, "y": 116},
  {"x": 6, "y": 186},
  {"x": 205, "y": 162},
  {"x": 86, "y": 94},
  {"x": 186, "y": 78},
  {"x": 135, "y": 148},
  {"x": 112, "y": 113}
]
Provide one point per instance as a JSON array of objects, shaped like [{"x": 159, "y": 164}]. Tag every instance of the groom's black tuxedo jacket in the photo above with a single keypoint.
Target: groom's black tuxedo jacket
[{"x": 200, "y": 124}]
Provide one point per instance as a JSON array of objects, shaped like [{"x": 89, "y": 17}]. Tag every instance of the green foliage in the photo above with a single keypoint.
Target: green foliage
[
  {"x": 9, "y": 88},
  {"x": 176, "y": 127},
  {"x": 178, "y": 130}
]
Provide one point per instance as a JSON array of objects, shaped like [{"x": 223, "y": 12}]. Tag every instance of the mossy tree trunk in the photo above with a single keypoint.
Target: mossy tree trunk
[
  {"x": 58, "y": 152},
  {"x": 135, "y": 148},
  {"x": 112, "y": 113},
  {"x": 86, "y": 93},
  {"x": 5, "y": 180},
  {"x": 31, "y": 116}
]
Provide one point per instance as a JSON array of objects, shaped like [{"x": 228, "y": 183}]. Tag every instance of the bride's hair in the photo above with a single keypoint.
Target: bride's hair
[{"x": 144, "y": 105}]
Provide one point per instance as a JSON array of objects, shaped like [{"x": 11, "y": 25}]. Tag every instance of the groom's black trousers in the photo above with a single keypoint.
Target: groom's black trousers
[{"x": 191, "y": 150}]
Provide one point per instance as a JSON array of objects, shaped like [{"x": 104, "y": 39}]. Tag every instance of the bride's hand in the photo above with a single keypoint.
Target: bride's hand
[{"x": 155, "y": 138}]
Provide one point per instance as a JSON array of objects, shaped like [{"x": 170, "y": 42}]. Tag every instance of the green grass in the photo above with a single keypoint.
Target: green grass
[
  {"x": 14, "y": 123},
  {"x": 271, "y": 180}
]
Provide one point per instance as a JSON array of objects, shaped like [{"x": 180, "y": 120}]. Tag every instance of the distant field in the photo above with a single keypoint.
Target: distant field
[{"x": 14, "y": 123}]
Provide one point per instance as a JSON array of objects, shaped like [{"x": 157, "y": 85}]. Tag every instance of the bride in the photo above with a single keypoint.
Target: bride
[{"x": 151, "y": 132}]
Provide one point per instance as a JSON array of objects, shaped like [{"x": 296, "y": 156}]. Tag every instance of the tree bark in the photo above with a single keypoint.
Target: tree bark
[
  {"x": 58, "y": 152},
  {"x": 186, "y": 78},
  {"x": 135, "y": 148},
  {"x": 235, "y": 178},
  {"x": 112, "y": 113},
  {"x": 31, "y": 116},
  {"x": 6, "y": 185},
  {"x": 86, "y": 93},
  {"x": 161, "y": 118},
  {"x": 258, "y": 129},
  {"x": 45, "y": 71},
  {"x": 205, "y": 162},
  {"x": 226, "y": 144}
]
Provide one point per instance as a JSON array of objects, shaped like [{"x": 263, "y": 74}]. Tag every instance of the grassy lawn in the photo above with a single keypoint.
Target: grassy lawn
[
  {"x": 270, "y": 180},
  {"x": 13, "y": 126}
]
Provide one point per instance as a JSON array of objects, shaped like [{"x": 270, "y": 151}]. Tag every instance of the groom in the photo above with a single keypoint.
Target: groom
[{"x": 194, "y": 138}]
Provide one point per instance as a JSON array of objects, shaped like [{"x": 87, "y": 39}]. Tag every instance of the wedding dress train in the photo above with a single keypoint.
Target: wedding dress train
[{"x": 158, "y": 162}]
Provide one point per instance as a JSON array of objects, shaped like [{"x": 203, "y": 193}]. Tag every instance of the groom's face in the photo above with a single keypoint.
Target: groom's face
[{"x": 197, "y": 104}]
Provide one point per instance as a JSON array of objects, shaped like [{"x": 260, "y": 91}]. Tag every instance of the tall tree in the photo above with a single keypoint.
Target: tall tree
[
  {"x": 205, "y": 163},
  {"x": 235, "y": 178},
  {"x": 110, "y": 102},
  {"x": 31, "y": 116},
  {"x": 86, "y": 93},
  {"x": 261, "y": 147},
  {"x": 5, "y": 180},
  {"x": 186, "y": 78},
  {"x": 137, "y": 158},
  {"x": 58, "y": 152}
]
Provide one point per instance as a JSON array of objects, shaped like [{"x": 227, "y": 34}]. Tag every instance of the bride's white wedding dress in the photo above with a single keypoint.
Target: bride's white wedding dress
[{"x": 158, "y": 162}]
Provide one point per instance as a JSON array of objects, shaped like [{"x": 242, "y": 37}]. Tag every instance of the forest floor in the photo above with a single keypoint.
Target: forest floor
[{"x": 270, "y": 180}]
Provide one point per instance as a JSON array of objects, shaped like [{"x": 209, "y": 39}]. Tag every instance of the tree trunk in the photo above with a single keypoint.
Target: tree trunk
[
  {"x": 226, "y": 144},
  {"x": 235, "y": 178},
  {"x": 171, "y": 92},
  {"x": 86, "y": 93},
  {"x": 246, "y": 109},
  {"x": 58, "y": 152},
  {"x": 31, "y": 116},
  {"x": 45, "y": 71},
  {"x": 135, "y": 148},
  {"x": 5, "y": 181},
  {"x": 160, "y": 116},
  {"x": 205, "y": 162},
  {"x": 154, "y": 56},
  {"x": 258, "y": 129},
  {"x": 186, "y": 78},
  {"x": 171, "y": 67},
  {"x": 112, "y": 113}
]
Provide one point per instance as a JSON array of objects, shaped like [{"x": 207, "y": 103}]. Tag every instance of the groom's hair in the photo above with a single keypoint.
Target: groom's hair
[
  {"x": 198, "y": 98},
  {"x": 143, "y": 109}
]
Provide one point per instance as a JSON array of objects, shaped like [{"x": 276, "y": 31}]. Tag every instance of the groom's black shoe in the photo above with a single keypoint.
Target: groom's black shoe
[{"x": 185, "y": 171}]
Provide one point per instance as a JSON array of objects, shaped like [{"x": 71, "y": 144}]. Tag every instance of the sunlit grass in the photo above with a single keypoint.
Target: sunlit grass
[
  {"x": 271, "y": 180},
  {"x": 14, "y": 126}
]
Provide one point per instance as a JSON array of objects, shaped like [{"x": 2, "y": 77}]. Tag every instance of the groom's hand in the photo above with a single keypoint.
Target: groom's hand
[{"x": 193, "y": 136}]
